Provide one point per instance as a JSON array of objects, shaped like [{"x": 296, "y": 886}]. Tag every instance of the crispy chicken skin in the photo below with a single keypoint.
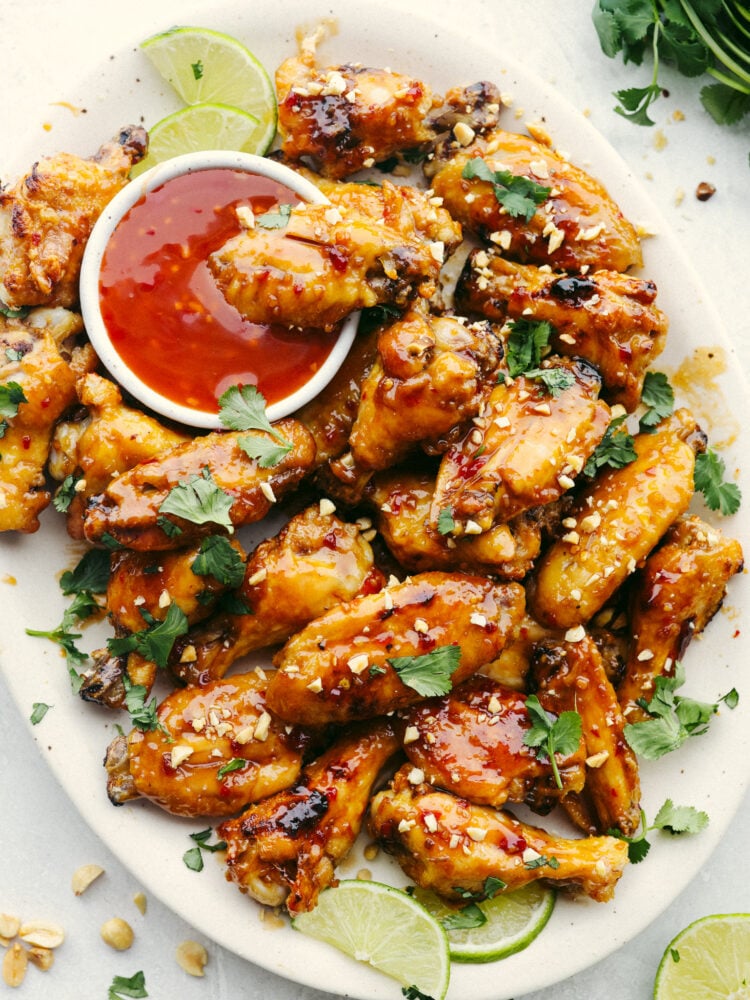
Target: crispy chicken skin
[
  {"x": 610, "y": 319},
  {"x": 347, "y": 117},
  {"x": 470, "y": 742},
  {"x": 315, "y": 562},
  {"x": 38, "y": 354},
  {"x": 286, "y": 848},
  {"x": 102, "y": 442},
  {"x": 445, "y": 843},
  {"x": 430, "y": 375},
  {"x": 675, "y": 595},
  {"x": 523, "y": 449},
  {"x": 402, "y": 499},
  {"x": 46, "y": 219},
  {"x": 618, "y": 520},
  {"x": 204, "y": 729},
  {"x": 129, "y": 508},
  {"x": 338, "y": 668},
  {"x": 577, "y": 226},
  {"x": 570, "y": 676}
]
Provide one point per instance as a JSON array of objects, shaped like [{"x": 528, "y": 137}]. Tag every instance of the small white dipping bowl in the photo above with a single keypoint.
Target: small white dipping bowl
[{"x": 92, "y": 262}]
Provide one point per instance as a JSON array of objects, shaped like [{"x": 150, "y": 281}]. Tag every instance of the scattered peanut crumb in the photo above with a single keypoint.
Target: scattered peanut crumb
[
  {"x": 141, "y": 902},
  {"x": 117, "y": 933},
  {"x": 660, "y": 140},
  {"x": 43, "y": 933},
  {"x": 15, "y": 963},
  {"x": 84, "y": 876},
  {"x": 192, "y": 957}
]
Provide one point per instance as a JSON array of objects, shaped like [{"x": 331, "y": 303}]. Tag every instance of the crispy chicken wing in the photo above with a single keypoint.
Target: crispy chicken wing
[
  {"x": 608, "y": 318},
  {"x": 286, "y": 848},
  {"x": 189, "y": 765},
  {"x": 577, "y": 226},
  {"x": 446, "y": 844},
  {"x": 471, "y": 742},
  {"x": 570, "y": 676},
  {"x": 524, "y": 449},
  {"x": 46, "y": 218},
  {"x": 403, "y": 500},
  {"x": 103, "y": 441},
  {"x": 324, "y": 264},
  {"x": 39, "y": 365},
  {"x": 340, "y": 666},
  {"x": 676, "y": 594},
  {"x": 129, "y": 509},
  {"x": 615, "y": 523},
  {"x": 315, "y": 562}
]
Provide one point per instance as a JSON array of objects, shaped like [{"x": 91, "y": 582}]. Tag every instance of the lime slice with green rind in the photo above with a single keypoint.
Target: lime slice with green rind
[{"x": 710, "y": 958}]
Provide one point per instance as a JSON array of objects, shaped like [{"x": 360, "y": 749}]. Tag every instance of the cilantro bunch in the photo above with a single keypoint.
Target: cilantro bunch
[{"x": 696, "y": 36}]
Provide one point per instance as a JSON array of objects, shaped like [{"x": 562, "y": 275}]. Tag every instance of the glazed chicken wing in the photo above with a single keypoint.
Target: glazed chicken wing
[
  {"x": 615, "y": 523},
  {"x": 577, "y": 225},
  {"x": 104, "y": 441},
  {"x": 676, "y": 594},
  {"x": 471, "y": 742},
  {"x": 39, "y": 365},
  {"x": 46, "y": 219},
  {"x": 286, "y": 848},
  {"x": 324, "y": 264},
  {"x": 403, "y": 499},
  {"x": 191, "y": 765},
  {"x": 524, "y": 449},
  {"x": 129, "y": 509},
  {"x": 340, "y": 667},
  {"x": 570, "y": 676},
  {"x": 445, "y": 843},
  {"x": 314, "y": 563},
  {"x": 608, "y": 318}
]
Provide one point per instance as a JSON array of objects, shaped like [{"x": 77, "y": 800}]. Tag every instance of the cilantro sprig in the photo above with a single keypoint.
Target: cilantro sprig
[
  {"x": 616, "y": 449},
  {"x": 156, "y": 640},
  {"x": 658, "y": 397},
  {"x": 219, "y": 559},
  {"x": 11, "y": 397},
  {"x": 670, "y": 818},
  {"x": 446, "y": 522},
  {"x": 696, "y": 36},
  {"x": 709, "y": 480},
  {"x": 528, "y": 342},
  {"x": 428, "y": 674},
  {"x": 556, "y": 380},
  {"x": 549, "y": 735},
  {"x": 278, "y": 218},
  {"x": 128, "y": 986},
  {"x": 198, "y": 500},
  {"x": 519, "y": 196},
  {"x": 244, "y": 409},
  {"x": 193, "y": 858},
  {"x": 143, "y": 714}
]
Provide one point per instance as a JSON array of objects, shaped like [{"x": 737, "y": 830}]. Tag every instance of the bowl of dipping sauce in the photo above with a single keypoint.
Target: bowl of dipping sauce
[{"x": 154, "y": 313}]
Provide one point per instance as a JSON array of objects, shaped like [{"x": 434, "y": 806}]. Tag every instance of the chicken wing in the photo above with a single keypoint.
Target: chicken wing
[
  {"x": 129, "y": 509},
  {"x": 524, "y": 450},
  {"x": 46, "y": 219},
  {"x": 445, "y": 843},
  {"x": 340, "y": 667},
  {"x": 615, "y": 523},
  {"x": 101, "y": 442},
  {"x": 216, "y": 750},
  {"x": 39, "y": 365},
  {"x": 608, "y": 318},
  {"x": 403, "y": 499},
  {"x": 323, "y": 265},
  {"x": 286, "y": 848},
  {"x": 676, "y": 594},
  {"x": 471, "y": 742},
  {"x": 577, "y": 225},
  {"x": 570, "y": 676},
  {"x": 316, "y": 562}
]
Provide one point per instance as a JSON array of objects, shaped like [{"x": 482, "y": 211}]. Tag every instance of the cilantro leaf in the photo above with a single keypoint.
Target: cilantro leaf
[
  {"x": 542, "y": 862},
  {"x": 464, "y": 919},
  {"x": 709, "y": 480},
  {"x": 429, "y": 674},
  {"x": 493, "y": 885},
  {"x": 615, "y": 449},
  {"x": 549, "y": 735},
  {"x": 81, "y": 607},
  {"x": 266, "y": 453},
  {"x": 156, "y": 640},
  {"x": 412, "y": 993},
  {"x": 680, "y": 819},
  {"x": 219, "y": 559},
  {"x": 11, "y": 396},
  {"x": 65, "y": 493},
  {"x": 142, "y": 715},
  {"x": 200, "y": 501},
  {"x": 527, "y": 344},
  {"x": 635, "y": 102},
  {"x": 557, "y": 380},
  {"x": 276, "y": 219},
  {"x": 39, "y": 710},
  {"x": 197, "y": 68},
  {"x": 132, "y": 987},
  {"x": 91, "y": 574},
  {"x": 518, "y": 195},
  {"x": 658, "y": 397},
  {"x": 193, "y": 858},
  {"x": 235, "y": 764},
  {"x": 446, "y": 522},
  {"x": 725, "y": 104},
  {"x": 244, "y": 409}
]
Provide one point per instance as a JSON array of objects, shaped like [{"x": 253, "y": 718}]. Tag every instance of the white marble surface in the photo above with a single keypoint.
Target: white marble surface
[{"x": 42, "y": 838}]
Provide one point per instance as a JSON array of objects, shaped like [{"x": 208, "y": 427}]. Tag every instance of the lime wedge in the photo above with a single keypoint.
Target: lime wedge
[
  {"x": 199, "y": 127},
  {"x": 385, "y": 927},
  {"x": 208, "y": 67},
  {"x": 710, "y": 959},
  {"x": 512, "y": 922}
]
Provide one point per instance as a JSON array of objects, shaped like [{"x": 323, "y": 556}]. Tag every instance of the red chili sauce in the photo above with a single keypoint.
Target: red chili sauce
[{"x": 167, "y": 319}]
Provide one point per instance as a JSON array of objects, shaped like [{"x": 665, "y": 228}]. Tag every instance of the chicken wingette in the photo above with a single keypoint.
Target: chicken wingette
[
  {"x": 47, "y": 216},
  {"x": 445, "y": 843},
  {"x": 608, "y": 318},
  {"x": 357, "y": 660},
  {"x": 285, "y": 849}
]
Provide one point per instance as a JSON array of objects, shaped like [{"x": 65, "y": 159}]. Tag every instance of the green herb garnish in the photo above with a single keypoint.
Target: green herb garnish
[
  {"x": 616, "y": 449},
  {"x": 428, "y": 674},
  {"x": 244, "y": 409},
  {"x": 193, "y": 858},
  {"x": 446, "y": 522},
  {"x": 671, "y": 818},
  {"x": 122, "y": 987},
  {"x": 528, "y": 342},
  {"x": 219, "y": 559},
  {"x": 277, "y": 219},
  {"x": 549, "y": 735},
  {"x": 156, "y": 640},
  {"x": 519, "y": 196},
  {"x": 39, "y": 710},
  {"x": 709, "y": 480},
  {"x": 557, "y": 380},
  {"x": 200, "y": 501},
  {"x": 658, "y": 396}
]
